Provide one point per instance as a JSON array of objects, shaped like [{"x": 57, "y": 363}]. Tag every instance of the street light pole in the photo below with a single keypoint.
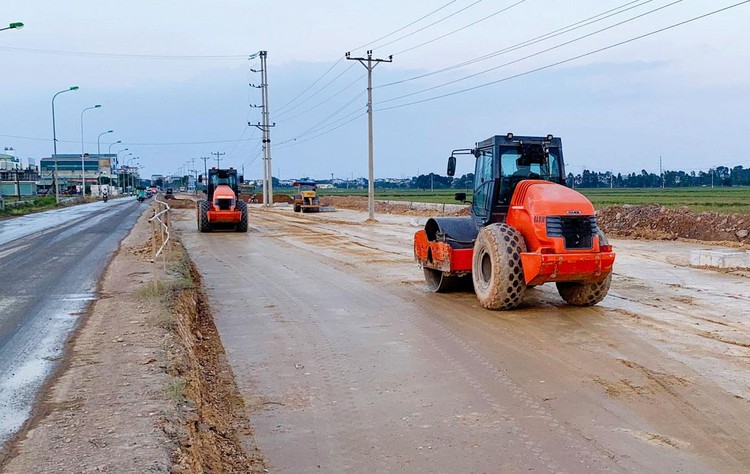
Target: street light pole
[
  {"x": 99, "y": 156},
  {"x": 54, "y": 142},
  {"x": 83, "y": 165},
  {"x": 109, "y": 150},
  {"x": 132, "y": 175},
  {"x": 98, "y": 141},
  {"x": 125, "y": 166},
  {"x": 117, "y": 162},
  {"x": 112, "y": 166}
]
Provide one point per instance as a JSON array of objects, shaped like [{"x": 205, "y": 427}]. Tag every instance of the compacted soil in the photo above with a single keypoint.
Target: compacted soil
[{"x": 146, "y": 387}]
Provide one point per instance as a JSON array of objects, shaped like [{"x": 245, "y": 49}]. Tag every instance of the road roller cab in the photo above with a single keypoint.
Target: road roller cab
[
  {"x": 223, "y": 207},
  {"x": 526, "y": 228}
]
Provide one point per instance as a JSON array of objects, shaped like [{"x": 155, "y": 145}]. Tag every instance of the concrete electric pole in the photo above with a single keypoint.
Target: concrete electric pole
[
  {"x": 265, "y": 127},
  {"x": 218, "y": 158},
  {"x": 369, "y": 63}
]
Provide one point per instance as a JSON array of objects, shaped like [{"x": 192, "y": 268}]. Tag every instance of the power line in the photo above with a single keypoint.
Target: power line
[
  {"x": 430, "y": 25},
  {"x": 320, "y": 125},
  {"x": 546, "y": 50},
  {"x": 548, "y": 66},
  {"x": 156, "y": 57},
  {"x": 462, "y": 28},
  {"x": 326, "y": 100},
  {"x": 405, "y": 26},
  {"x": 294, "y": 142},
  {"x": 538, "y": 39},
  {"x": 283, "y": 107},
  {"x": 22, "y": 137},
  {"x": 281, "y": 114},
  {"x": 311, "y": 85}
]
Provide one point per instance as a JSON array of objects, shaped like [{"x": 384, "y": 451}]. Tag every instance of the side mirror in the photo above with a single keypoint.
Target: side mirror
[
  {"x": 460, "y": 197},
  {"x": 451, "y": 165},
  {"x": 200, "y": 178}
]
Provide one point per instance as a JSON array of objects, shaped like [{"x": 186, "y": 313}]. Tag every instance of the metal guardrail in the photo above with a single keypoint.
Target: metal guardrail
[{"x": 161, "y": 226}]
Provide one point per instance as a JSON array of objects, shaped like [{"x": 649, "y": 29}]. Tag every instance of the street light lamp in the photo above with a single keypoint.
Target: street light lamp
[
  {"x": 83, "y": 165},
  {"x": 54, "y": 142},
  {"x": 16, "y": 25}
]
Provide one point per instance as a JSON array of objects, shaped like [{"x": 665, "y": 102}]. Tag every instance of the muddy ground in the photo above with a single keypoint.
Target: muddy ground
[
  {"x": 347, "y": 358},
  {"x": 146, "y": 385}
]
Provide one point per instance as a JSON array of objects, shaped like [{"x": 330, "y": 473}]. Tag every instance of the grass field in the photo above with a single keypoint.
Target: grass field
[
  {"x": 724, "y": 200},
  {"x": 39, "y": 203}
]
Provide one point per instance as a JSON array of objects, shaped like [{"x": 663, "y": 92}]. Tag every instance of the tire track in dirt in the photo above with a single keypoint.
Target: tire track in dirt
[
  {"x": 600, "y": 457},
  {"x": 331, "y": 366},
  {"x": 657, "y": 377}
]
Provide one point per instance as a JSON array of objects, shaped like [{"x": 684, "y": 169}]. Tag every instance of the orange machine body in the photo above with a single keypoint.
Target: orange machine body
[
  {"x": 547, "y": 215},
  {"x": 223, "y": 208}
]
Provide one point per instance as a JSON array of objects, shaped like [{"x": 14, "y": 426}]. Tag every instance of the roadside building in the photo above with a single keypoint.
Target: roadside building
[
  {"x": 15, "y": 180},
  {"x": 98, "y": 170}
]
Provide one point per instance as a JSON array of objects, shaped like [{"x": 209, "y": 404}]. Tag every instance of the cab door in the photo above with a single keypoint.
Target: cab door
[{"x": 484, "y": 185}]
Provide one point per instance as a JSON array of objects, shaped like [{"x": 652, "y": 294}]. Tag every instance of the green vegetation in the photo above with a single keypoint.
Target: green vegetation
[
  {"x": 719, "y": 199},
  {"x": 725, "y": 200},
  {"x": 26, "y": 205}
]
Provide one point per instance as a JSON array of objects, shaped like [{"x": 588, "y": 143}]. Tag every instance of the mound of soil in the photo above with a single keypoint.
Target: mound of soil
[
  {"x": 661, "y": 223},
  {"x": 652, "y": 221},
  {"x": 258, "y": 198},
  {"x": 182, "y": 203},
  {"x": 359, "y": 203}
]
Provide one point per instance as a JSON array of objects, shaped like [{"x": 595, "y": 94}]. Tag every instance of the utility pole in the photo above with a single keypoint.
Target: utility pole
[
  {"x": 218, "y": 158},
  {"x": 193, "y": 170},
  {"x": 205, "y": 165},
  {"x": 661, "y": 173},
  {"x": 265, "y": 127},
  {"x": 369, "y": 63}
]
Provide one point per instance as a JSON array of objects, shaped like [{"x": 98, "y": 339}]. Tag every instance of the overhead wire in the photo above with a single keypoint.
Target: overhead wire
[
  {"x": 156, "y": 57},
  {"x": 405, "y": 26},
  {"x": 503, "y": 10},
  {"x": 287, "y": 104},
  {"x": 538, "y": 39},
  {"x": 250, "y": 89},
  {"x": 296, "y": 142},
  {"x": 570, "y": 59},
  {"x": 538, "y": 53},
  {"x": 325, "y": 101},
  {"x": 311, "y": 85},
  {"x": 430, "y": 25},
  {"x": 322, "y": 123},
  {"x": 281, "y": 114}
]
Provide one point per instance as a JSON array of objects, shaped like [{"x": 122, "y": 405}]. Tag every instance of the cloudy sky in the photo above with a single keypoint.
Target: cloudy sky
[{"x": 173, "y": 78}]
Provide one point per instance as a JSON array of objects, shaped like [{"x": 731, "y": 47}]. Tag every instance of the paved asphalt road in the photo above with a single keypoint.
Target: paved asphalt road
[{"x": 50, "y": 264}]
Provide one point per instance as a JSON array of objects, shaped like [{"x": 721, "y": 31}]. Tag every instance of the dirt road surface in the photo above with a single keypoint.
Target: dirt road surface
[{"x": 348, "y": 364}]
